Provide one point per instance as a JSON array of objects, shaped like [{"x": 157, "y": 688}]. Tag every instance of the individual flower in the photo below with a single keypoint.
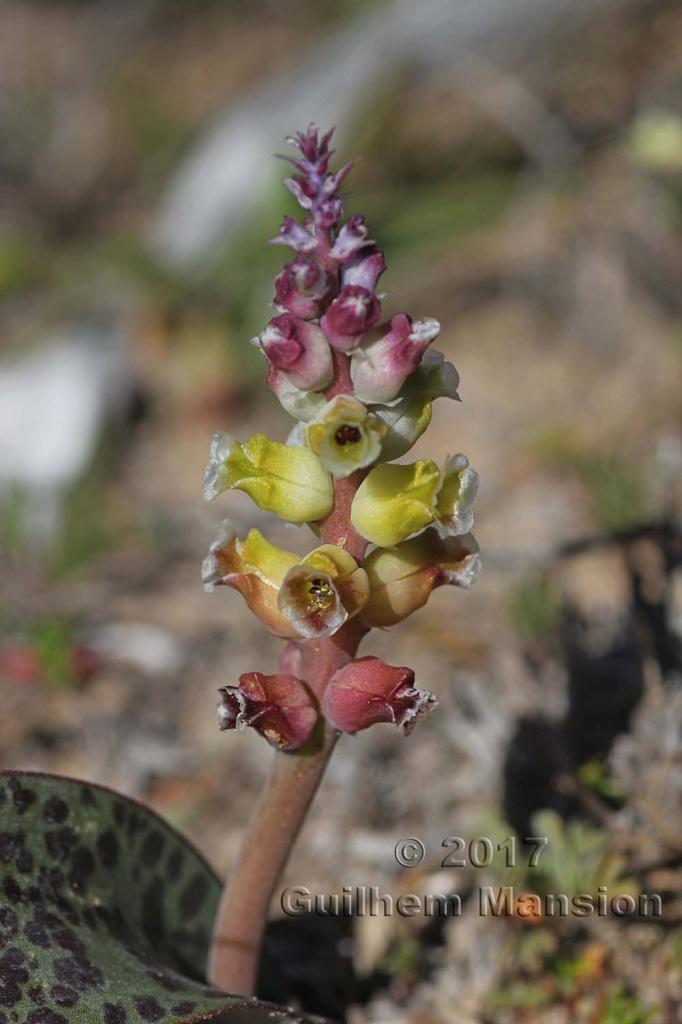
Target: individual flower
[
  {"x": 380, "y": 367},
  {"x": 368, "y": 691},
  {"x": 401, "y": 579},
  {"x": 280, "y": 707},
  {"x": 365, "y": 270},
  {"x": 253, "y": 567},
  {"x": 298, "y": 349},
  {"x": 345, "y": 436},
  {"x": 300, "y": 287},
  {"x": 322, "y": 592},
  {"x": 354, "y": 310},
  {"x": 351, "y": 239},
  {"x": 293, "y": 597},
  {"x": 296, "y": 236},
  {"x": 396, "y": 502},
  {"x": 409, "y": 415},
  {"x": 291, "y": 482},
  {"x": 302, "y": 405}
]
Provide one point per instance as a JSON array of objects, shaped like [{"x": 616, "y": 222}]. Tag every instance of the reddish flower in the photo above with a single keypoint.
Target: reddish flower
[
  {"x": 351, "y": 238},
  {"x": 295, "y": 235},
  {"x": 350, "y": 316},
  {"x": 280, "y": 707},
  {"x": 390, "y": 355},
  {"x": 300, "y": 286},
  {"x": 299, "y": 349},
  {"x": 366, "y": 269},
  {"x": 368, "y": 691}
]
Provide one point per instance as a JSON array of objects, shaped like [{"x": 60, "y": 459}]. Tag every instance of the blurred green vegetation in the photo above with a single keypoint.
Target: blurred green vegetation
[
  {"x": 535, "y": 605},
  {"x": 54, "y": 640},
  {"x": 615, "y": 483},
  {"x": 627, "y": 1009}
]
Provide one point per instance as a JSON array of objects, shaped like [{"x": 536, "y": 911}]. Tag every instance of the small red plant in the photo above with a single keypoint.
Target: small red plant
[{"x": 361, "y": 392}]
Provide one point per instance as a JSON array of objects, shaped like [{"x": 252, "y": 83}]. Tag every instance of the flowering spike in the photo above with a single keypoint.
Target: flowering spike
[
  {"x": 315, "y": 188},
  {"x": 279, "y": 707},
  {"x": 361, "y": 393},
  {"x": 369, "y": 691}
]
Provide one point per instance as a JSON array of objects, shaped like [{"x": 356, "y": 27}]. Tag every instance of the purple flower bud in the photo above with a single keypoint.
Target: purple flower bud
[
  {"x": 299, "y": 192},
  {"x": 315, "y": 151},
  {"x": 365, "y": 270},
  {"x": 299, "y": 349},
  {"x": 300, "y": 286},
  {"x": 295, "y": 235},
  {"x": 368, "y": 691},
  {"x": 328, "y": 212},
  {"x": 333, "y": 182},
  {"x": 380, "y": 367},
  {"x": 279, "y": 707},
  {"x": 350, "y": 316},
  {"x": 351, "y": 238}
]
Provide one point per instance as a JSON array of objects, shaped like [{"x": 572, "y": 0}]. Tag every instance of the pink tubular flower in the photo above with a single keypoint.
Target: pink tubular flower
[
  {"x": 381, "y": 366},
  {"x": 366, "y": 269},
  {"x": 368, "y": 691},
  {"x": 300, "y": 286},
  {"x": 296, "y": 236},
  {"x": 299, "y": 349},
  {"x": 279, "y": 707},
  {"x": 350, "y": 316},
  {"x": 351, "y": 238}
]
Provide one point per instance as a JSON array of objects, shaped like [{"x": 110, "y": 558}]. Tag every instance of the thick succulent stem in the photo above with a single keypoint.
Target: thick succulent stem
[
  {"x": 276, "y": 821},
  {"x": 242, "y": 915}
]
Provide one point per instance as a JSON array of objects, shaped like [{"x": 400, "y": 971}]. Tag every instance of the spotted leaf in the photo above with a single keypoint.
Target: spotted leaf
[{"x": 105, "y": 913}]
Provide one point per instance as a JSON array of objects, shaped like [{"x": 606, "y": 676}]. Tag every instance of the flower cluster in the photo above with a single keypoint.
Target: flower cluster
[{"x": 361, "y": 390}]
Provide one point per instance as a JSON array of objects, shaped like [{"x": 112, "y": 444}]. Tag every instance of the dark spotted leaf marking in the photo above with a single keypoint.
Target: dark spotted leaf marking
[{"x": 105, "y": 913}]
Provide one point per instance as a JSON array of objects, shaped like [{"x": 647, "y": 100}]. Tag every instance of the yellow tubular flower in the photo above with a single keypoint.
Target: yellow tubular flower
[
  {"x": 395, "y": 502},
  {"x": 323, "y": 591},
  {"x": 256, "y": 569},
  {"x": 293, "y": 597},
  {"x": 291, "y": 482},
  {"x": 345, "y": 436},
  {"x": 401, "y": 579}
]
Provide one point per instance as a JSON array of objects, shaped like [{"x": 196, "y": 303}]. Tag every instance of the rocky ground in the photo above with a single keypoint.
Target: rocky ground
[{"x": 558, "y": 675}]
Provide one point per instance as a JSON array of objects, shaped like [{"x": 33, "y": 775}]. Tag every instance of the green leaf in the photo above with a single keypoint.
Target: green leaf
[{"x": 105, "y": 913}]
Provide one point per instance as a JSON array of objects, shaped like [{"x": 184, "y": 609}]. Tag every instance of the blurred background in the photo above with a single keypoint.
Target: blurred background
[{"x": 522, "y": 168}]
